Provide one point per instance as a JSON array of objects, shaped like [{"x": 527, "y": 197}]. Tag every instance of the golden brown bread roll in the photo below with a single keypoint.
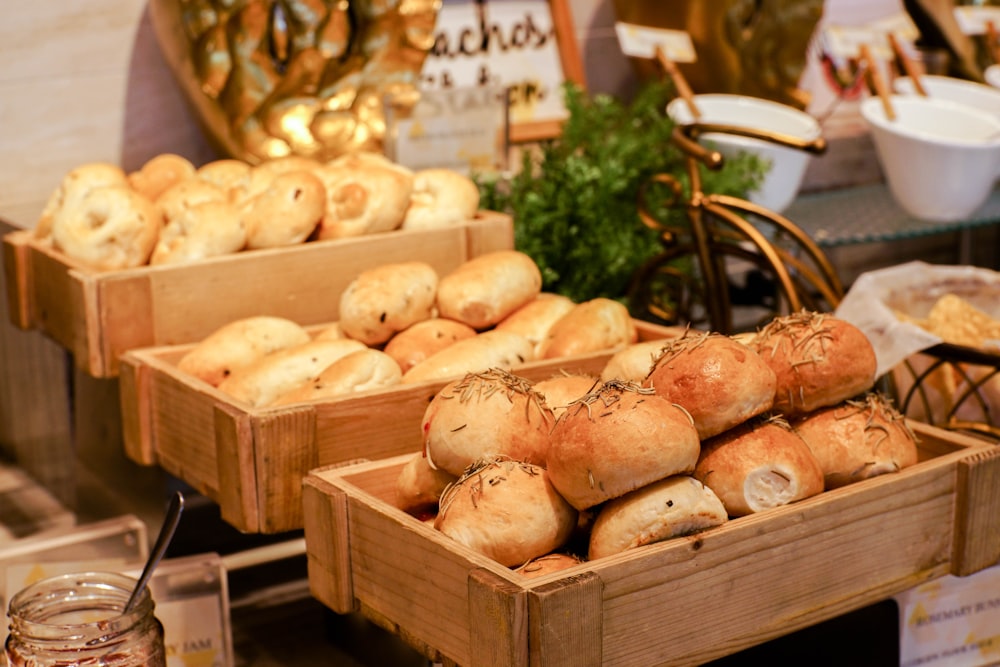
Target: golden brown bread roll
[
  {"x": 73, "y": 187},
  {"x": 758, "y": 465},
  {"x": 361, "y": 370},
  {"x": 634, "y": 362},
  {"x": 818, "y": 360},
  {"x": 591, "y": 326},
  {"x": 719, "y": 381},
  {"x": 493, "y": 413},
  {"x": 489, "y": 349},
  {"x": 263, "y": 381},
  {"x": 419, "y": 486},
  {"x": 159, "y": 173},
  {"x": 534, "y": 319},
  {"x": 858, "y": 439},
  {"x": 616, "y": 439},
  {"x": 422, "y": 339},
  {"x": 484, "y": 290},
  {"x": 506, "y": 510},
  {"x": 547, "y": 564},
  {"x": 210, "y": 229},
  {"x": 672, "y": 507},
  {"x": 560, "y": 391},
  {"x": 440, "y": 198},
  {"x": 239, "y": 344},
  {"x": 387, "y": 299},
  {"x": 285, "y": 212},
  {"x": 109, "y": 228}
]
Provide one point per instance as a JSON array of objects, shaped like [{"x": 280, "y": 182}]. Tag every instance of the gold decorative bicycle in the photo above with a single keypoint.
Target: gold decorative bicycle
[{"x": 694, "y": 279}]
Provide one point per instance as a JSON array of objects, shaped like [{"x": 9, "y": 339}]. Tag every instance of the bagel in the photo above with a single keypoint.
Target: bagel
[
  {"x": 210, "y": 229},
  {"x": 364, "y": 199},
  {"x": 231, "y": 176},
  {"x": 441, "y": 198},
  {"x": 73, "y": 187},
  {"x": 111, "y": 228},
  {"x": 286, "y": 212},
  {"x": 181, "y": 197},
  {"x": 159, "y": 173}
]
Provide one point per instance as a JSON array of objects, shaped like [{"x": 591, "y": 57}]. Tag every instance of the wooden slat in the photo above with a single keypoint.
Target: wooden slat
[
  {"x": 977, "y": 513},
  {"x": 500, "y": 633},
  {"x": 566, "y": 622},
  {"x": 236, "y": 470}
]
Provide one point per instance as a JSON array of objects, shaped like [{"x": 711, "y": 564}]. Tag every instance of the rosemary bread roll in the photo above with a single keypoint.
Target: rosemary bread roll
[
  {"x": 534, "y": 319},
  {"x": 387, "y": 299},
  {"x": 239, "y": 344},
  {"x": 489, "y": 349},
  {"x": 422, "y": 339},
  {"x": 484, "y": 290},
  {"x": 633, "y": 363},
  {"x": 719, "y": 381},
  {"x": 758, "y": 465},
  {"x": 419, "y": 486},
  {"x": 591, "y": 326},
  {"x": 493, "y": 413},
  {"x": 561, "y": 391},
  {"x": 672, "y": 507},
  {"x": 858, "y": 439},
  {"x": 818, "y": 360},
  {"x": 547, "y": 564},
  {"x": 361, "y": 370},
  {"x": 506, "y": 510},
  {"x": 616, "y": 439},
  {"x": 263, "y": 381}
]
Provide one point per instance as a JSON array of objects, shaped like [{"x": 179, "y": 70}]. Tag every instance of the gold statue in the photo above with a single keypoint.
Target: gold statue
[
  {"x": 746, "y": 47},
  {"x": 270, "y": 78}
]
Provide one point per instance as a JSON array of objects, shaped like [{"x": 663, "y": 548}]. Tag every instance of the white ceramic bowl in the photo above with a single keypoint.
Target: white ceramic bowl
[
  {"x": 992, "y": 75},
  {"x": 940, "y": 159},
  {"x": 980, "y": 96},
  {"x": 787, "y": 165}
]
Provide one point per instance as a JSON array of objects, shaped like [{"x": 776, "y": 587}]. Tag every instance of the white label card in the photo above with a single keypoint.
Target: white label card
[
  {"x": 843, "y": 42},
  {"x": 641, "y": 41},
  {"x": 972, "y": 20}
]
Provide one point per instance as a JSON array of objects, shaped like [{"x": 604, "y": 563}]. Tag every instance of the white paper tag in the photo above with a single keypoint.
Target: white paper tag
[
  {"x": 641, "y": 42},
  {"x": 953, "y": 621},
  {"x": 843, "y": 42},
  {"x": 972, "y": 20}
]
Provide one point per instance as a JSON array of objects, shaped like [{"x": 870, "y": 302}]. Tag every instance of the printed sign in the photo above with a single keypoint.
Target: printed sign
[{"x": 641, "y": 42}]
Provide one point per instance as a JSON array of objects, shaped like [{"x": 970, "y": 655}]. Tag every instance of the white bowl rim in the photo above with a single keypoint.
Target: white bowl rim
[
  {"x": 813, "y": 129},
  {"x": 880, "y": 120},
  {"x": 949, "y": 82}
]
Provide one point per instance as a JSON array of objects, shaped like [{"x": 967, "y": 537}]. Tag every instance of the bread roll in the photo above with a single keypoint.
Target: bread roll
[
  {"x": 239, "y": 344},
  {"x": 387, "y": 299},
  {"x": 229, "y": 175},
  {"x": 210, "y": 229},
  {"x": 362, "y": 370},
  {"x": 286, "y": 212},
  {"x": 858, "y": 439},
  {"x": 363, "y": 197},
  {"x": 440, "y": 198},
  {"x": 759, "y": 465},
  {"x": 422, "y": 339},
  {"x": 633, "y": 363},
  {"x": 484, "y": 290},
  {"x": 263, "y": 381},
  {"x": 419, "y": 486},
  {"x": 719, "y": 381},
  {"x": 489, "y": 349},
  {"x": 672, "y": 507},
  {"x": 561, "y": 391},
  {"x": 494, "y": 413},
  {"x": 159, "y": 173},
  {"x": 819, "y": 360},
  {"x": 591, "y": 326},
  {"x": 74, "y": 186},
  {"x": 616, "y": 439},
  {"x": 547, "y": 564},
  {"x": 534, "y": 319},
  {"x": 506, "y": 510}
]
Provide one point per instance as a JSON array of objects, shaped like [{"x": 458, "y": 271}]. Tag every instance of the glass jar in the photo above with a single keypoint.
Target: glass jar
[{"x": 76, "y": 619}]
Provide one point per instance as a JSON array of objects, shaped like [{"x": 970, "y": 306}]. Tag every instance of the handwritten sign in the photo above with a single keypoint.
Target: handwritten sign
[{"x": 523, "y": 45}]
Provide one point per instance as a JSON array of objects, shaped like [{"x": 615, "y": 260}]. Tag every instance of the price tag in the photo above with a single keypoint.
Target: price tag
[
  {"x": 843, "y": 42},
  {"x": 953, "y": 621},
  {"x": 462, "y": 129},
  {"x": 641, "y": 42}
]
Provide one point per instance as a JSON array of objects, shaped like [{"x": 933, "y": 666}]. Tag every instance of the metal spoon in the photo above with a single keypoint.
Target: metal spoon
[{"x": 170, "y": 522}]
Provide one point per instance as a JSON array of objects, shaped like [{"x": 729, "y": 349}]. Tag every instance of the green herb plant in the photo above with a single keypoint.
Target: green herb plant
[{"x": 574, "y": 200}]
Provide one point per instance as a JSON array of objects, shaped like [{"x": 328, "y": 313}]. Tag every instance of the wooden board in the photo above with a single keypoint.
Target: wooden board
[
  {"x": 680, "y": 602},
  {"x": 252, "y": 460},
  {"x": 97, "y": 316}
]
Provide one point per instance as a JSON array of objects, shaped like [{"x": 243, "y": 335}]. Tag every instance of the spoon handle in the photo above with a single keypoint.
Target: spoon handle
[{"x": 170, "y": 522}]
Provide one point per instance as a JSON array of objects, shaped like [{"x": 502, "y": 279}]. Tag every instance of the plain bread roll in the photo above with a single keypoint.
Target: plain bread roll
[
  {"x": 633, "y": 363},
  {"x": 419, "y": 486},
  {"x": 759, "y": 465},
  {"x": 422, "y": 339},
  {"x": 672, "y": 507},
  {"x": 506, "y": 510},
  {"x": 387, "y": 299},
  {"x": 592, "y": 326},
  {"x": 616, "y": 439},
  {"x": 489, "y": 349},
  {"x": 484, "y": 290},
  {"x": 534, "y": 319},
  {"x": 362, "y": 370}
]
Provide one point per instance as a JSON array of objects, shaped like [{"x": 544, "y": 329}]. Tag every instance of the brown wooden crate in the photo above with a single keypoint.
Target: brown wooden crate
[
  {"x": 252, "y": 460},
  {"x": 680, "y": 602},
  {"x": 98, "y": 316}
]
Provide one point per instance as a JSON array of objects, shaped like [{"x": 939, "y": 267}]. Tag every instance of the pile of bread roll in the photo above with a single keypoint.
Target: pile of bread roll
[
  {"x": 170, "y": 211},
  {"x": 674, "y": 437},
  {"x": 402, "y": 323}
]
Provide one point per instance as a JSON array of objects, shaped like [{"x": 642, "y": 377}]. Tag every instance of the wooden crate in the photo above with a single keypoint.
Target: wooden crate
[
  {"x": 99, "y": 315},
  {"x": 251, "y": 461},
  {"x": 680, "y": 602}
]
